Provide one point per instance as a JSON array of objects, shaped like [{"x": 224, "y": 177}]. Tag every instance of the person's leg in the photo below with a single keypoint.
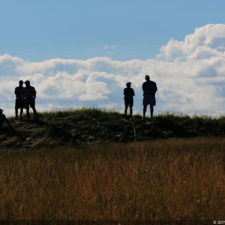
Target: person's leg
[
  {"x": 125, "y": 111},
  {"x": 35, "y": 112},
  {"x": 16, "y": 112},
  {"x": 32, "y": 105},
  {"x": 21, "y": 113},
  {"x": 152, "y": 110},
  {"x": 131, "y": 107},
  {"x": 26, "y": 106},
  {"x": 28, "y": 113},
  {"x": 144, "y": 110},
  {"x": 131, "y": 110}
]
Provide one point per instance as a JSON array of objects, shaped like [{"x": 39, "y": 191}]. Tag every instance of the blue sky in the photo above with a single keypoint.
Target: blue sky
[
  {"x": 82, "y": 52},
  {"x": 135, "y": 29}
]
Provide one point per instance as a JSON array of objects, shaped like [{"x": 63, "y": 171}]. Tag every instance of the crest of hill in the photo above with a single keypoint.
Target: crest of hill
[{"x": 86, "y": 126}]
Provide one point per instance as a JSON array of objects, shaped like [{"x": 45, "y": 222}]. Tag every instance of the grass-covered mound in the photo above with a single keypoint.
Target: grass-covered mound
[{"x": 75, "y": 127}]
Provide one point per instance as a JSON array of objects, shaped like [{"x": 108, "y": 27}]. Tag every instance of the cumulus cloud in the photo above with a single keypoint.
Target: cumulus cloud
[
  {"x": 190, "y": 75},
  {"x": 206, "y": 42}
]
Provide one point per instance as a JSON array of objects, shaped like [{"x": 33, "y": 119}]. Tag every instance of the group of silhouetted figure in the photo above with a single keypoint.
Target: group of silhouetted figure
[
  {"x": 149, "y": 89},
  {"x": 25, "y": 99},
  {"x": 26, "y": 96}
]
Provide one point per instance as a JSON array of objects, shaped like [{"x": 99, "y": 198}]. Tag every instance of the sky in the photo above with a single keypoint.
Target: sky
[{"x": 81, "y": 53}]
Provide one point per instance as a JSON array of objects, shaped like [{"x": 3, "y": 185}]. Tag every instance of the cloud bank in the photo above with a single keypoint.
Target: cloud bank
[{"x": 190, "y": 75}]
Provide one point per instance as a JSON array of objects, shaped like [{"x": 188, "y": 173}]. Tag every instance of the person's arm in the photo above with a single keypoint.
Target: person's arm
[
  {"x": 156, "y": 89},
  {"x": 133, "y": 94},
  {"x": 15, "y": 92},
  {"x": 34, "y": 94}
]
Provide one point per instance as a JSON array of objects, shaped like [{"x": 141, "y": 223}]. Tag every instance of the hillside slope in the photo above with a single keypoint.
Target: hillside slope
[{"x": 92, "y": 125}]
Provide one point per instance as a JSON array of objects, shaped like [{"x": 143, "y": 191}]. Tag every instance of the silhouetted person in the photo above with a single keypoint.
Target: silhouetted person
[
  {"x": 29, "y": 99},
  {"x": 149, "y": 89},
  {"x": 3, "y": 119},
  {"x": 19, "y": 92},
  {"x": 128, "y": 98}
]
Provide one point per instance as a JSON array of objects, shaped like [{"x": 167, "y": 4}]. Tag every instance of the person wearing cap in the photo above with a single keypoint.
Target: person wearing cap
[
  {"x": 19, "y": 104},
  {"x": 149, "y": 89},
  {"x": 128, "y": 98},
  {"x": 3, "y": 119},
  {"x": 29, "y": 99}
]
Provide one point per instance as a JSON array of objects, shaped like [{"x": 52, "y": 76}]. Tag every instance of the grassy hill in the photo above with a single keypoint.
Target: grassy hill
[
  {"x": 85, "y": 126},
  {"x": 62, "y": 167}
]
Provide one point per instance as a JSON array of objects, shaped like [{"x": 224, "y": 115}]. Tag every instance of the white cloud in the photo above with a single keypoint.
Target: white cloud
[
  {"x": 107, "y": 47},
  {"x": 205, "y": 43},
  {"x": 190, "y": 75}
]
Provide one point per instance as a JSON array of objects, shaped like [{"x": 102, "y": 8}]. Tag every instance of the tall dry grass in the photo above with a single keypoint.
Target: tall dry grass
[{"x": 160, "y": 180}]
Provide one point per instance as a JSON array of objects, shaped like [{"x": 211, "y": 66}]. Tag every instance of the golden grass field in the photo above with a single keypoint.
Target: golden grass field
[{"x": 160, "y": 180}]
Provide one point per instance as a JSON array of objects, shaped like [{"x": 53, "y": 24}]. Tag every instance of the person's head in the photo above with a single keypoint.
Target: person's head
[
  {"x": 147, "y": 77},
  {"x": 21, "y": 83},
  {"x": 27, "y": 82},
  {"x": 1, "y": 111},
  {"x": 128, "y": 84}
]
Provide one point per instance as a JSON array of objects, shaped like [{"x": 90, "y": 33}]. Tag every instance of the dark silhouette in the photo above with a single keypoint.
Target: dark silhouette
[
  {"x": 19, "y": 92},
  {"x": 149, "y": 89},
  {"x": 3, "y": 119},
  {"x": 128, "y": 98},
  {"x": 29, "y": 99}
]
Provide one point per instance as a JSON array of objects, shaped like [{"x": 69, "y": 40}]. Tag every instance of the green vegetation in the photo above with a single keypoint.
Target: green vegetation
[
  {"x": 175, "y": 179},
  {"x": 85, "y": 126}
]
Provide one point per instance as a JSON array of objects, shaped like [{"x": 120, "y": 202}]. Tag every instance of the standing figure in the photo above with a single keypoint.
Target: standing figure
[
  {"x": 29, "y": 99},
  {"x": 19, "y": 99},
  {"x": 149, "y": 89},
  {"x": 128, "y": 98},
  {"x": 3, "y": 119}
]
